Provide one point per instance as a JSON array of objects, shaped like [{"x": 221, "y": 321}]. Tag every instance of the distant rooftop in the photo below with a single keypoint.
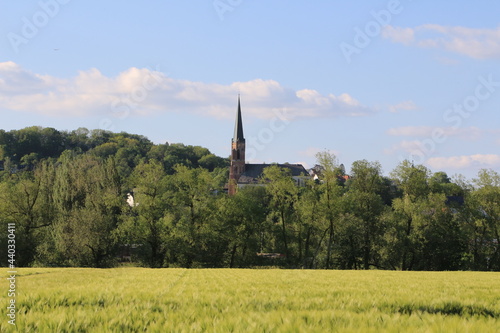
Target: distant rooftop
[{"x": 254, "y": 171}]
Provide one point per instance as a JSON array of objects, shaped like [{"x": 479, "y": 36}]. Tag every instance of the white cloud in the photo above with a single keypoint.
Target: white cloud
[
  {"x": 405, "y": 146},
  {"x": 472, "y": 42},
  {"x": 465, "y": 161},
  {"x": 403, "y": 106},
  {"x": 141, "y": 91},
  {"x": 469, "y": 133},
  {"x": 312, "y": 151},
  {"x": 399, "y": 35}
]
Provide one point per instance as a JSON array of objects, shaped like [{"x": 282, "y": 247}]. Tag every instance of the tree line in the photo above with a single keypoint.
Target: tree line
[{"x": 67, "y": 193}]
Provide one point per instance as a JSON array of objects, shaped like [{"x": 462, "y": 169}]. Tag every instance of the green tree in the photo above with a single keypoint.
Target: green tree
[
  {"x": 210, "y": 162},
  {"x": 26, "y": 200},
  {"x": 150, "y": 222},
  {"x": 243, "y": 218},
  {"x": 364, "y": 202},
  {"x": 312, "y": 231},
  {"x": 439, "y": 182},
  {"x": 29, "y": 160},
  {"x": 413, "y": 181},
  {"x": 192, "y": 198},
  {"x": 283, "y": 195},
  {"x": 442, "y": 240},
  {"x": 484, "y": 206},
  {"x": 331, "y": 192},
  {"x": 87, "y": 193}
]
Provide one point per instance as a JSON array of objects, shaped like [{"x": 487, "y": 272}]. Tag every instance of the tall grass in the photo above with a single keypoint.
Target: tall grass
[{"x": 223, "y": 300}]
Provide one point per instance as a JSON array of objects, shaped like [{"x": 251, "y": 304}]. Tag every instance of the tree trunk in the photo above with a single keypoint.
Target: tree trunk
[
  {"x": 285, "y": 242},
  {"x": 330, "y": 243},
  {"x": 319, "y": 247},
  {"x": 306, "y": 249},
  {"x": 299, "y": 259},
  {"x": 366, "y": 251},
  {"x": 233, "y": 253},
  {"x": 406, "y": 245}
]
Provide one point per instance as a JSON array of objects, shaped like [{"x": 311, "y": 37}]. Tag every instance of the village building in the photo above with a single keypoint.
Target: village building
[{"x": 243, "y": 174}]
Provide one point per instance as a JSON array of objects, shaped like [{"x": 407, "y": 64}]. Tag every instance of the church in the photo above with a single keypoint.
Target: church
[{"x": 243, "y": 174}]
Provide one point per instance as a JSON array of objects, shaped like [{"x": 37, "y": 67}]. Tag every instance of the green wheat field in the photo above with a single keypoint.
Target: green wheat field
[{"x": 262, "y": 300}]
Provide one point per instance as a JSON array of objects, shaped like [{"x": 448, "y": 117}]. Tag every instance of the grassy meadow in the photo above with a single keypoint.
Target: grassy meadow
[{"x": 236, "y": 300}]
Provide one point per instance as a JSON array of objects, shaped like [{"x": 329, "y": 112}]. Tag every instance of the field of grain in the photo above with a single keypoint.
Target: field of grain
[{"x": 237, "y": 300}]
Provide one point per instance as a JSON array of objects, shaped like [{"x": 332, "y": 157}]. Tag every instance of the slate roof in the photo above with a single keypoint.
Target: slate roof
[
  {"x": 238, "y": 126},
  {"x": 254, "y": 171},
  {"x": 455, "y": 199}
]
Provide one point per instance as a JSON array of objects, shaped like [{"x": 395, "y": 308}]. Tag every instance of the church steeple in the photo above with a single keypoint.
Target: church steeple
[
  {"x": 238, "y": 125},
  {"x": 237, "y": 153}
]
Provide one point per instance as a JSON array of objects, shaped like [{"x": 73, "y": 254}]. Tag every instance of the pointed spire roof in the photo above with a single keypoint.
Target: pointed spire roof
[{"x": 238, "y": 126}]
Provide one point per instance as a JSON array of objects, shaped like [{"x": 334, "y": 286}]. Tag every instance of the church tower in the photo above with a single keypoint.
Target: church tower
[{"x": 237, "y": 153}]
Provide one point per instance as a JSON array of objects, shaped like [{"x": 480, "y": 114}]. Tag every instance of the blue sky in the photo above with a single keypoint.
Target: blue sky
[{"x": 376, "y": 80}]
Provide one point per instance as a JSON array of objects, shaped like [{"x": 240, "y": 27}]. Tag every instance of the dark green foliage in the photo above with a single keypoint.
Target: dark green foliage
[{"x": 67, "y": 194}]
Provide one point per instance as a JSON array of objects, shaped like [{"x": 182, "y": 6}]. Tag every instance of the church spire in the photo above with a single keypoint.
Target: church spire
[
  {"x": 237, "y": 167},
  {"x": 238, "y": 126}
]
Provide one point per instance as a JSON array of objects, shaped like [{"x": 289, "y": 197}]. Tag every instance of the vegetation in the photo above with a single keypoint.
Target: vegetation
[
  {"x": 67, "y": 194},
  {"x": 237, "y": 300}
]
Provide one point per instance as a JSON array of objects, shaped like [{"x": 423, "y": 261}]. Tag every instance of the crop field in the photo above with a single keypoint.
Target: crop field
[{"x": 237, "y": 300}]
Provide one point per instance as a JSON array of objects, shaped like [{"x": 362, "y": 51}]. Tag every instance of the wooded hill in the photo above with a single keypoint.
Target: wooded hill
[{"x": 66, "y": 193}]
